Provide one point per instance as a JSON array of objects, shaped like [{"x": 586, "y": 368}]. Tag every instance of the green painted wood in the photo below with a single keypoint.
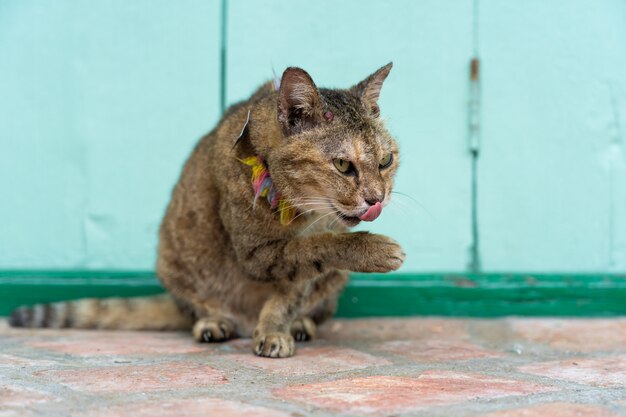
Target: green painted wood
[
  {"x": 101, "y": 102},
  {"x": 477, "y": 295},
  {"x": 485, "y": 295},
  {"x": 424, "y": 99},
  {"x": 552, "y": 169}
]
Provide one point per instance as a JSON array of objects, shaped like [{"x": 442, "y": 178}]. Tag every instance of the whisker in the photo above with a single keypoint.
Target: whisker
[
  {"x": 309, "y": 226},
  {"x": 408, "y": 209},
  {"x": 307, "y": 204},
  {"x": 325, "y": 203},
  {"x": 403, "y": 212},
  {"x": 303, "y": 213},
  {"x": 334, "y": 222},
  {"x": 328, "y": 200},
  {"x": 414, "y": 200}
]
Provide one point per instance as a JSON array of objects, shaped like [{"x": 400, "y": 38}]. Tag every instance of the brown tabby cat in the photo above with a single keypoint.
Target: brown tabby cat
[{"x": 234, "y": 264}]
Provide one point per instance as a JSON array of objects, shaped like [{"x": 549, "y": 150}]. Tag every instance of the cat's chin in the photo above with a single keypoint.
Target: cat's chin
[
  {"x": 347, "y": 220},
  {"x": 350, "y": 221}
]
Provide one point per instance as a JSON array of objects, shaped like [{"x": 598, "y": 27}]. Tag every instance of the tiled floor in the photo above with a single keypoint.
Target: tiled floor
[{"x": 370, "y": 367}]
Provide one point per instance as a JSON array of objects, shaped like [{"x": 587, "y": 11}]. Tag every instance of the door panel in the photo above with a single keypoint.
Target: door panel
[
  {"x": 102, "y": 102},
  {"x": 552, "y": 167},
  {"x": 424, "y": 98}
]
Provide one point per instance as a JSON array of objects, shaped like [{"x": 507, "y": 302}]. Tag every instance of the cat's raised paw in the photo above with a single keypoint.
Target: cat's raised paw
[
  {"x": 383, "y": 254},
  {"x": 210, "y": 330},
  {"x": 274, "y": 345},
  {"x": 303, "y": 329}
]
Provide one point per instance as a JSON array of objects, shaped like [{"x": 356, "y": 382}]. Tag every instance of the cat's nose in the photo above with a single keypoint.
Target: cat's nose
[{"x": 373, "y": 199}]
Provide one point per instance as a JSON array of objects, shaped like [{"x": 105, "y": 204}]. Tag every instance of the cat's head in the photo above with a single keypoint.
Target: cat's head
[{"x": 336, "y": 156}]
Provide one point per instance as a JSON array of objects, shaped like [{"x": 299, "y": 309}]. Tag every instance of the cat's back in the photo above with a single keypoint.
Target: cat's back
[
  {"x": 215, "y": 149},
  {"x": 194, "y": 244},
  {"x": 212, "y": 176}
]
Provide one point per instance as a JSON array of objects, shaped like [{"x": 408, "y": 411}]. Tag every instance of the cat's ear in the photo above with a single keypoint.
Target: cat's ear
[
  {"x": 369, "y": 89},
  {"x": 299, "y": 101}
]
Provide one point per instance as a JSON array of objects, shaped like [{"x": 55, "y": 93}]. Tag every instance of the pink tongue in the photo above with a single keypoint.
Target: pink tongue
[{"x": 372, "y": 213}]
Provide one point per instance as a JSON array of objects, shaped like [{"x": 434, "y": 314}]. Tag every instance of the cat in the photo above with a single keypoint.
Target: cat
[{"x": 255, "y": 240}]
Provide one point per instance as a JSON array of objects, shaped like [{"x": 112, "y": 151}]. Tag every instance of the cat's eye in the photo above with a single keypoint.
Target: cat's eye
[
  {"x": 343, "y": 166},
  {"x": 386, "y": 161}
]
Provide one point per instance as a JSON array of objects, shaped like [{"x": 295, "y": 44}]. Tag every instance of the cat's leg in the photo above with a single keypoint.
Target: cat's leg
[
  {"x": 213, "y": 329},
  {"x": 272, "y": 337},
  {"x": 303, "y": 329},
  {"x": 213, "y": 323},
  {"x": 319, "y": 305},
  {"x": 303, "y": 259},
  {"x": 212, "y": 320}
]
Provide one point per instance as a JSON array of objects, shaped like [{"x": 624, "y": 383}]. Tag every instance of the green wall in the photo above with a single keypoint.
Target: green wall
[{"x": 101, "y": 101}]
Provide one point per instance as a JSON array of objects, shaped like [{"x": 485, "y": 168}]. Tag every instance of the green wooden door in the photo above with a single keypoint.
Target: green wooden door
[
  {"x": 552, "y": 170},
  {"x": 101, "y": 103}
]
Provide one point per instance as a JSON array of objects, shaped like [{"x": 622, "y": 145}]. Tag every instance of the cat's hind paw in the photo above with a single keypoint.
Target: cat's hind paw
[
  {"x": 303, "y": 329},
  {"x": 210, "y": 330}
]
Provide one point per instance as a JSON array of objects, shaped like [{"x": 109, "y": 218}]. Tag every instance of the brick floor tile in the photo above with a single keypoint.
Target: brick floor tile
[
  {"x": 313, "y": 360},
  {"x": 119, "y": 343},
  {"x": 138, "y": 378},
  {"x": 19, "y": 361},
  {"x": 12, "y": 412},
  {"x": 554, "y": 410},
  {"x": 172, "y": 371},
  {"x": 194, "y": 407},
  {"x": 26, "y": 333},
  {"x": 437, "y": 350},
  {"x": 11, "y": 396},
  {"x": 384, "y": 395},
  {"x": 393, "y": 329},
  {"x": 578, "y": 335},
  {"x": 603, "y": 372},
  {"x": 241, "y": 345}
]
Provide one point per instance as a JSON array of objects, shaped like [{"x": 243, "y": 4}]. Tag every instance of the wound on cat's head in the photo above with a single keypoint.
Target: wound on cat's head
[{"x": 336, "y": 156}]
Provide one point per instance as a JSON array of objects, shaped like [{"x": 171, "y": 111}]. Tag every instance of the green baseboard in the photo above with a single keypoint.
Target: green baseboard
[{"x": 475, "y": 295}]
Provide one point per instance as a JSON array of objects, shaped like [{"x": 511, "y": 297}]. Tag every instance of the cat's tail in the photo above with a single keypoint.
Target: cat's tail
[{"x": 158, "y": 312}]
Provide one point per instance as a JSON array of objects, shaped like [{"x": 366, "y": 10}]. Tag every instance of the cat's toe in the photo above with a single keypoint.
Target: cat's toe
[
  {"x": 303, "y": 329},
  {"x": 210, "y": 330},
  {"x": 274, "y": 345}
]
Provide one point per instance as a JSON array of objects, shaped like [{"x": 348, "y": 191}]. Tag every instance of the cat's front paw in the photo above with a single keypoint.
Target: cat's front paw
[
  {"x": 274, "y": 345},
  {"x": 379, "y": 254}
]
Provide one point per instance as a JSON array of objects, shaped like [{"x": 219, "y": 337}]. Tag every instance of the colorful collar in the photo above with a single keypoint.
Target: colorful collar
[{"x": 263, "y": 186}]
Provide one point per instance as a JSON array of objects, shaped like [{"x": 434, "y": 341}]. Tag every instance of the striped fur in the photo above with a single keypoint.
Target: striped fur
[
  {"x": 140, "y": 313},
  {"x": 232, "y": 263}
]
